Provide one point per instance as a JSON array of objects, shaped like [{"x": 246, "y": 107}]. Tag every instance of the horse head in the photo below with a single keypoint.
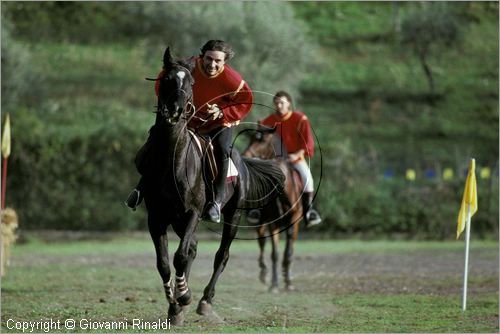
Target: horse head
[
  {"x": 265, "y": 144},
  {"x": 175, "y": 89}
]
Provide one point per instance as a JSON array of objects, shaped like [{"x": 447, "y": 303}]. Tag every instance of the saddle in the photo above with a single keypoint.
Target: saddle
[{"x": 206, "y": 151}]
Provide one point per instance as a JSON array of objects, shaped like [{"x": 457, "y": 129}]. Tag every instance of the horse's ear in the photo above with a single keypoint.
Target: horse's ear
[
  {"x": 190, "y": 64},
  {"x": 265, "y": 129},
  {"x": 167, "y": 59}
]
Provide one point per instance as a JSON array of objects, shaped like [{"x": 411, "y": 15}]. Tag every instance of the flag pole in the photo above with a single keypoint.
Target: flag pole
[
  {"x": 467, "y": 209},
  {"x": 4, "y": 181},
  {"x": 466, "y": 266}
]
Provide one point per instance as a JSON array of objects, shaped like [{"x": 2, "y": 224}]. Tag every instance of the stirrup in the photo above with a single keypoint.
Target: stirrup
[
  {"x": 134, "y": 199},
  {"x": 312, "y": 218}
]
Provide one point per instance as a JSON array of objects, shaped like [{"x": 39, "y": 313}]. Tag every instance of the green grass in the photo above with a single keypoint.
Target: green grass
[
  {"x": 96, "y": 73},
  {"x": 125, "y": 244},
  {"x": 115, "y": 279},
  {"x": 414, "y": 313}
]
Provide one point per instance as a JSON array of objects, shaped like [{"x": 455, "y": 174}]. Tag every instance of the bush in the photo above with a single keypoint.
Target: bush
[
  {"x": 355, "y": 199},
  {"x": 68, "y": 175}
]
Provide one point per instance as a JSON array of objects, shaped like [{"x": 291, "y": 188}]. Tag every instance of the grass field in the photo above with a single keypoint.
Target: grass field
[{"x": 342, "y": 286}]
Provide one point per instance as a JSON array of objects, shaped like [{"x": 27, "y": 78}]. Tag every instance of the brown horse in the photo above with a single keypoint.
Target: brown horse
[{"x": 282, "y": 214}]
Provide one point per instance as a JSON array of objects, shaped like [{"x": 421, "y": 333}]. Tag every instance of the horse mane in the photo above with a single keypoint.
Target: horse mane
[{"x": 266, "y": 180}]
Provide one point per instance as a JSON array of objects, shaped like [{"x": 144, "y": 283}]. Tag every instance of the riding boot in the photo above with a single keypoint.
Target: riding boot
[
  {"x": 311, "y": 216},
  {"x": 136, "y": 196},
  {"x": 214, "y": 210}
]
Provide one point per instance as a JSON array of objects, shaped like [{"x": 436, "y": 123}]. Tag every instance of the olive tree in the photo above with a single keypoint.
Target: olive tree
[{"x": 428, "y": 30}]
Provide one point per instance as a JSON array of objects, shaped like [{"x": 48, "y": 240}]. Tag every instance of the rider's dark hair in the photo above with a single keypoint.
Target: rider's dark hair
[
  {"x": 282, "y": 93},
  {"x": 218, "y": 45}
]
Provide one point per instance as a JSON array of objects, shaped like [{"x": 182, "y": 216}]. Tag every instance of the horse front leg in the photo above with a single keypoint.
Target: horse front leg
[
  {"x": 184, "y": 256},
  {"x": 159, "y": 237},
  {"x": 220, "y": 261}
]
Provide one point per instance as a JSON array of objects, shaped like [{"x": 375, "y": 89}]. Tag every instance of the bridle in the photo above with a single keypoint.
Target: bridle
[{"x": 189, "y": 108}]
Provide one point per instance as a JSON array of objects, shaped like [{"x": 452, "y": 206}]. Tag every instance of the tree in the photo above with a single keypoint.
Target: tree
[
  {"x": 428, "y": 29},
  {"x": 18, "y": 77}
]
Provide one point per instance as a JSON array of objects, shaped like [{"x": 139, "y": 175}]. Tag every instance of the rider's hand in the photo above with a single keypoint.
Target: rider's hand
[
  {"x": 296, "y": 156},
  {"x": 292, "y": 157},
  {"x": 214, "y": 111}
]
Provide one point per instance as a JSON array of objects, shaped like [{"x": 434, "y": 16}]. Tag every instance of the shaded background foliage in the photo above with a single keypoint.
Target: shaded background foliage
[{"x": 72, "y": 79}]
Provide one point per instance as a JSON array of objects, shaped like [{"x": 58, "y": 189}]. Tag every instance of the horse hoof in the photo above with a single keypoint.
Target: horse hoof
[
  {"x": 176, "y": 314},
  {"x": 274, "y": 289},
  {"x": 177, "y": 320},
  {"x": 204, "y": 308},
  {"x": 290, "y": 288},
  {"x": 262, "y": 276},
  {"x": 185, "y": 299}
]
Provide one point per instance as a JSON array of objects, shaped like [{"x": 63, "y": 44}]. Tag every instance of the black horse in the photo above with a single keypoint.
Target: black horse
[
  {"x": 175, "y": 192},
  {"x": 283, "y": 214}
]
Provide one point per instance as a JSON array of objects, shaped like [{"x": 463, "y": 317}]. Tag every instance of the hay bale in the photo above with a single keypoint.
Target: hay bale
[{"x": 9, "y": 225}]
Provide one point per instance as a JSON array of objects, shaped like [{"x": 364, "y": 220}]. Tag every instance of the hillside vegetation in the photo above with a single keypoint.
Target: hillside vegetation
[{"x": 73, "y": 81}]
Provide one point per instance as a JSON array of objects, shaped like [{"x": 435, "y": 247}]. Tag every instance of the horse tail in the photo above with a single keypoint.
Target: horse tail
[{"x": 265, "y": 182}]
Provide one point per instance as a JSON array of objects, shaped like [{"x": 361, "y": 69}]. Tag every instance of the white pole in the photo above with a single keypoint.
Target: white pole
[{"x": 466, "y": 267}]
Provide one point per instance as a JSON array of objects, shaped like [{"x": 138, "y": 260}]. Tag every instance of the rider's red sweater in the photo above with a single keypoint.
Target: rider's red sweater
[
  {"x": 294, "y": 130},
  {"x": 227, "y": 89}
]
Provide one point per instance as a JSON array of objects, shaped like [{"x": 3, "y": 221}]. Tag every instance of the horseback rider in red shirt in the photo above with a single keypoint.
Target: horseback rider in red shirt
[
  {"x": 294, "y": 129},
  {"x": 221, "y": 98}
]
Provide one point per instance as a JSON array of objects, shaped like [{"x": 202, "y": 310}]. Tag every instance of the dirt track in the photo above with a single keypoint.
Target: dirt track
[
  {"x": 341, "y": 286},
  {"x": 355, "y": 272}
]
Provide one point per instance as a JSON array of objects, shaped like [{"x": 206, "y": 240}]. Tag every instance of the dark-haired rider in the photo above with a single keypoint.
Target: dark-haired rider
[
  {"x": 222, "y": 99},
  {"x": 294, "y": 129}
]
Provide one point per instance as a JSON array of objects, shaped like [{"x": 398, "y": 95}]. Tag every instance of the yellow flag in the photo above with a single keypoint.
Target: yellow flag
[
  {"x": 469, "y": 198},
  {"x": 6, "y": 138}
]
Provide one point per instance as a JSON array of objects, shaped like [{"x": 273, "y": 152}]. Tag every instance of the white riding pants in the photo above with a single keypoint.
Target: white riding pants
[{"x": 305, "y": 173}]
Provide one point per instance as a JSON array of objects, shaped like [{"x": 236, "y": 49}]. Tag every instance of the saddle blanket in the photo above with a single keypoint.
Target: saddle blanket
[{"x": 232, "y": 171}]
